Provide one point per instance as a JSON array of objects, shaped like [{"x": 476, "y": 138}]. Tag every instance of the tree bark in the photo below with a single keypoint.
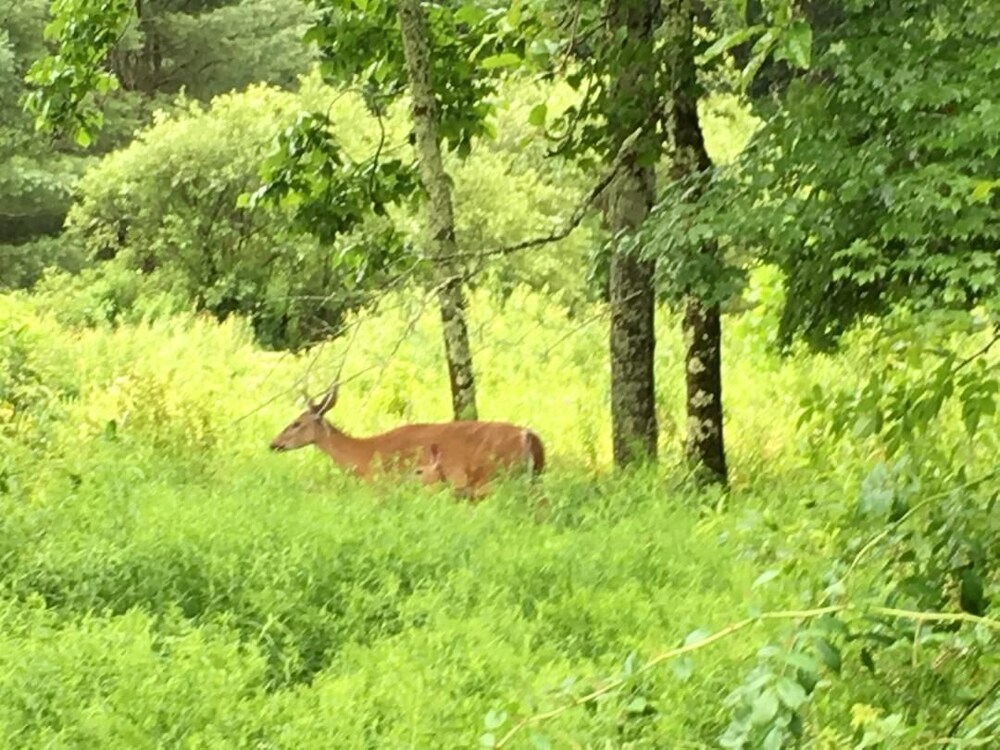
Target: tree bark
[
  {"x": 629, "y": 200},
  {"x": 440, "y": 216},
  {"x": 705, "y": 447}
]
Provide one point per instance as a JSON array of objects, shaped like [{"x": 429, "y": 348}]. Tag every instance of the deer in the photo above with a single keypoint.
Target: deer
[{"x": 465, "y": 454}]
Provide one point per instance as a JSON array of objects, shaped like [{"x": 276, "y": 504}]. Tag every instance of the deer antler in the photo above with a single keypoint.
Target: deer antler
[{"x": 329, "y": 399}]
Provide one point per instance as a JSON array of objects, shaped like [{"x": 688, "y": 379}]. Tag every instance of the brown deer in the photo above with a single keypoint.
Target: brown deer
[{"x": 465, "y": 454}]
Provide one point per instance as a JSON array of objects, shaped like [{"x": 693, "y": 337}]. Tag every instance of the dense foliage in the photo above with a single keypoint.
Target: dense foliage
[
  {"x": 165, "y": 209},
  {"x": 200, "y": 48},
  {"x": 36, "y": 178},
  {"x": 165, "y": 581},
  {"x": 874, "y": 181},
  {"x": 165, "y": 224}
]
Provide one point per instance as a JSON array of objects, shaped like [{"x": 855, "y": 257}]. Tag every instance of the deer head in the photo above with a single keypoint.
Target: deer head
[
  {"x": 429, "y": 469},
  {"x": 308, "y": 427}
]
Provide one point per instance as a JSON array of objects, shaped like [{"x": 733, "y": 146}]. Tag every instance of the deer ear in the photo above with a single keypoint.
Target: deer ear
[{"x": 432, "y": 454}]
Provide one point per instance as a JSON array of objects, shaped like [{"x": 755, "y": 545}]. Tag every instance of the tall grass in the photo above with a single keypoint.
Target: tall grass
[{"x": 165, "y": 581}]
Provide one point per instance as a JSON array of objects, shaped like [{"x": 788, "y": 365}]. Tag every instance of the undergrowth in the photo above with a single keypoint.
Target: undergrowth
[{"x": 165, "y": 581}]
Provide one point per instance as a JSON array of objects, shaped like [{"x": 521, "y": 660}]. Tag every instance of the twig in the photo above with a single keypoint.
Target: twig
[
  {"x": 378, "y": 151},
  {"x": 977, "y": 355},
  {"x": 907, "y": 614},
  {"x": 896, "y": 524},
  {"x": 972, "y": 707}
]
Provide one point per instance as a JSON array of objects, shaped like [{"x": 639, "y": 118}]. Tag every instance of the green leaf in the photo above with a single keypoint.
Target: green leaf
[
  {"x": 538, "y": 114},
  {"x": 495, "y": 719},
  {"x": 765, "y": 708},
  {"x": 683, "y": 668},
  {"x": 791, "y": 693},
  {"x": 773, "y": 739},
  {"x": 695, "y": 636},
  {"x": 829, "y": 653},
  {"x": 488, "y": 740},
  {"x": 628, "y": 666},
  {"x": 540, "y": 741},
  {"x": 761, "y": 49},
  {"x": 503, "y": 60},
  {"x": 636, "y": 705},
  {"x": 767, "y": 575},
  {"x": 807, "y": 679},
  {"x": 800, "y": 660},
  {"x": 729, "y": 40},
  {"x": 82, "y": 137},
  {"x": 470, "y": 14},
  {"x": 982, "y": 189},
  {"x": 514, "y": 14},
  {"x": 796, "y": 44},
  {"x": 972, "y": 412}
]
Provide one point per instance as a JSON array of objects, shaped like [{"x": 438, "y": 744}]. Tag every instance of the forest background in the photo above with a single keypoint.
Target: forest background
[{"x": 736, "y": 262}]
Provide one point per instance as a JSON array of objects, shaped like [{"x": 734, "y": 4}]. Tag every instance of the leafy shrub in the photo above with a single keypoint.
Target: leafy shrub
[
  {"x": 165, "y": 208},
  {"x": 132, "y": 681},
  {"x": 33, "y": 376},
  {"x": 25, "y": 264}
]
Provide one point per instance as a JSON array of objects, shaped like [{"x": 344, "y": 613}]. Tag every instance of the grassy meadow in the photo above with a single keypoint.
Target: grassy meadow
[{"x": 165, "y": 581}]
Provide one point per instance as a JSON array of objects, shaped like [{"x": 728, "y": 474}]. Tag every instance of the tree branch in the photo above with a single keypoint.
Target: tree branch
[
  {"x": 976, "y": 355},
  {"x": 622, "y": 158}
]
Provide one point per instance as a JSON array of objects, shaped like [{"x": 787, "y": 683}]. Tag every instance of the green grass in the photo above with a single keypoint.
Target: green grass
[{"x": 165, "y": 581}]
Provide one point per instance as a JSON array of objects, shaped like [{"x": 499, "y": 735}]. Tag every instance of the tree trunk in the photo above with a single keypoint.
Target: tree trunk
[
  {"x": 703, "y": 371},
  {"x": 629, "y": 199},
  {"x": 705, "y": 447},
  {"x": 632, "y": 341},
  {"x": 440, "y": 217}
]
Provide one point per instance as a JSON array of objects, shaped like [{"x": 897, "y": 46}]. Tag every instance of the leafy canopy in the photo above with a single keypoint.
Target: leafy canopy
[{"x": 874, "y": 180}]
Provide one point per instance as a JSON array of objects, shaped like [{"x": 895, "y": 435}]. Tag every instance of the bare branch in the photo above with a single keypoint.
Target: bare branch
[
  {"x": 623, "y": 158},
  {"x": 972, "y": 357}
]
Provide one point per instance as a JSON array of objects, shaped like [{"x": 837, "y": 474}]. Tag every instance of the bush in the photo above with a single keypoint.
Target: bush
[
  {"x": 26, "y": 263},
  {"x": 165, "y": 209}
]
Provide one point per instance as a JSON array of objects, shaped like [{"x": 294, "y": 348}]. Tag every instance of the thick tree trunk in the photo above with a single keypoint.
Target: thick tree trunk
[
  {"x": 629, "y": 199},
  {"x": 632, "y": 335},
  {"x": 440, "y": 216},
  {"x": 705, "y": 447}
]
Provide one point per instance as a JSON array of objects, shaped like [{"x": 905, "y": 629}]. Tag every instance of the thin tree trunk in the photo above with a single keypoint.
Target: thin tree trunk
[
  {"x": 629, "y": 200},
  {"x": 440, "y": 216},
  {"x": 705, "y": 447}
]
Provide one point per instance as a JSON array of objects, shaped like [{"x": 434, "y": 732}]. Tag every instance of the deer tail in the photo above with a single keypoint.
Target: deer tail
[{"x": 534, "y": 451}]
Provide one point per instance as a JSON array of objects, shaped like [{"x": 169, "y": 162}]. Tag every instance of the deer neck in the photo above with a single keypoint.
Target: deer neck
[{"x": 351, "y": 453}]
